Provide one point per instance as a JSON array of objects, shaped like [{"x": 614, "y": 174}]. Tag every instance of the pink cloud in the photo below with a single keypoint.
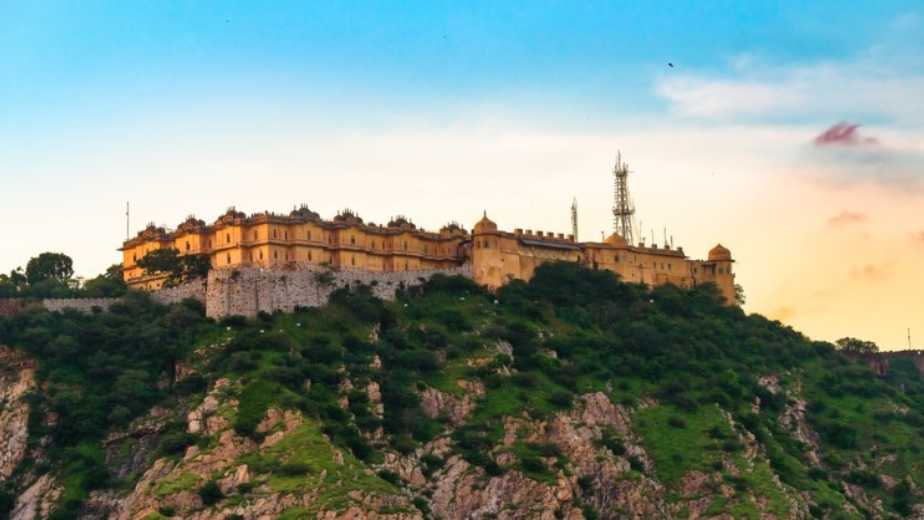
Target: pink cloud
[
  {"x": 919, "y": 237},
  {"x": 846, "y": 218},
  {"x": 844, "y": 134}
]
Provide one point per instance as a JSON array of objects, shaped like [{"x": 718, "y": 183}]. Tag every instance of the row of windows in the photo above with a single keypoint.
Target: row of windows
[{"x": 330, "y": 240}]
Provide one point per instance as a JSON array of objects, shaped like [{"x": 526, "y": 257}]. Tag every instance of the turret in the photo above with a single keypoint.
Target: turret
[
  {"x": 487, "y": 258},
  {"x": 721, "y": 257}
]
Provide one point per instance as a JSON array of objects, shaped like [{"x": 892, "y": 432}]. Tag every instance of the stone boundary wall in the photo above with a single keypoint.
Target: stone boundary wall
[
  {"x": 248, "y": 291},
  {"x": 195, "y": 290},
  {"x": 882, "y": 360},
  {"x": 78, "y": 304},
  {"x": 11, "y": 306}
]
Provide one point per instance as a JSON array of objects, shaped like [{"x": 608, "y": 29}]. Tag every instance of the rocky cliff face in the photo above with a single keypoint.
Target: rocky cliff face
[
  {"x": 296, "y": 472},
  {"x": 17, "y": 377}
]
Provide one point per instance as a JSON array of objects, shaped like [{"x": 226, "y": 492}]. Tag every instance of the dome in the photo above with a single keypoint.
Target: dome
[
  {"x": 719, "y": 253},
  {"x": 485, "y": 225},
  {"x": 616, "y": 240}
]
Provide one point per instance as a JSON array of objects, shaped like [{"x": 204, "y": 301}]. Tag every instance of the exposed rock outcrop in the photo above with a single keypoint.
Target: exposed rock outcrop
[{"x": 17, "y": 377}]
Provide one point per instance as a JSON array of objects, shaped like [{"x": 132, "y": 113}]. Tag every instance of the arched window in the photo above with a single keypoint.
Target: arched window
[
  {"x": 261, "y": 255},
  {"x": 275, "y": 255},
  {"x": 353, "y": 260},
  {"x": 309, "y": 234},
  {"x": 352, "y": 239},
  {"x": 255, "y": 235},
  {"x": 187, "y": 245},
  {"x": 285, "y": 235},
  {"x": 405, "y": 245},
  {"x": 228, "y": 237},
  {"x": 227, "y": 258},
  {"x": 309, "y": 256}
]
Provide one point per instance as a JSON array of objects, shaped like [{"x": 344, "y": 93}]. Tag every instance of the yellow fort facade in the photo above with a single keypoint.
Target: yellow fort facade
[
  {"x": 495, "y": 257},
  {"x": 501, "y": 256},
  {"x": 275, "y": 241}
]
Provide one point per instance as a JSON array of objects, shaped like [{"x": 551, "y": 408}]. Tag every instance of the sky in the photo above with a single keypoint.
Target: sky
[{"x": 791, "y": 133}]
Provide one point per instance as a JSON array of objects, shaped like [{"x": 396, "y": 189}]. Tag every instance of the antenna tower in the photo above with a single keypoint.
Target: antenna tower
[
  {"x": 128, "y": 232},
  {"x": 623, "y": 209},
  {"x": 574, "y": 220}
]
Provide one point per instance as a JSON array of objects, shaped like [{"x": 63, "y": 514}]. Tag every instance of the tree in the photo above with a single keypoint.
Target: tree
[
  {"x": 740, "y": 298},
  {"x": 13, "y": 284},
  {"x": 53, "y": 266},
  {"x": 108, "y": 284},
  {"x": 856, "y": 346},
  {"x": 179, "y": 269},
  {"x": 164, "y": 261}
]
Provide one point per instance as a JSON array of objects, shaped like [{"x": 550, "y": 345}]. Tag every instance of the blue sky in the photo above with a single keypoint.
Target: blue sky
[
  {"x": 68, "y": 64},
  {"x": 441, "y": 110}
]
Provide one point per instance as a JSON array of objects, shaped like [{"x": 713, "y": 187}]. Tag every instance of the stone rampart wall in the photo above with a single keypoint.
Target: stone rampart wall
[
  {"x": 78, "y": 304},
  {"x": 249, "y": 291},
  {"x": 881, "y": 361},
  {"x": 10, "y": 306},
  {"x": 195, "y": 290}
]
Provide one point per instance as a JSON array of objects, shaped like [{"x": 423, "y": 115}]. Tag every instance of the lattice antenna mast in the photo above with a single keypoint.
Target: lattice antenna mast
[
  {"x": 574, "y": 220},
  {"x": 623, "y": 209}
]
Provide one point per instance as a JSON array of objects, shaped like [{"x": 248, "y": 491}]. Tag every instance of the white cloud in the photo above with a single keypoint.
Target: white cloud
[
  {"x": 884, "y": 82},
  {"x": 827, "y": 90}
]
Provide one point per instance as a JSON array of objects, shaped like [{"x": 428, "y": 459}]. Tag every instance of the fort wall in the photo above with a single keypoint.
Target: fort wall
[
  {"x": 880, "y": 362},
  {"x": 248, "y": 291},
  {"x": 195, "y": 290},
  {"x": 78, "y": 304}
]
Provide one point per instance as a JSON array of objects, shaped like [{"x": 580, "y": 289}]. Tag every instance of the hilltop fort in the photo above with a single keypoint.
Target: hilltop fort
[{"x": 400, "y": 251}]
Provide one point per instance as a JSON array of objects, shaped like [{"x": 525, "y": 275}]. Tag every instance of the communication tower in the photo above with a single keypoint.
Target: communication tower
[{"x": 623, "y": 209}]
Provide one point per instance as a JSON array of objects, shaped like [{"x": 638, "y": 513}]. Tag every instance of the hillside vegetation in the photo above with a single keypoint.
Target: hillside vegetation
[{"x": 572, "y": 396}]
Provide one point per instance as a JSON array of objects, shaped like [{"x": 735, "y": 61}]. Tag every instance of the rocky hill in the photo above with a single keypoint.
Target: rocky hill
[{"x": 574, "y": 396}]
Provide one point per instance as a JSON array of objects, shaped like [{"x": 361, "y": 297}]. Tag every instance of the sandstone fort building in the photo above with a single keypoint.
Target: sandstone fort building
[{"x": 492, "y": 257}]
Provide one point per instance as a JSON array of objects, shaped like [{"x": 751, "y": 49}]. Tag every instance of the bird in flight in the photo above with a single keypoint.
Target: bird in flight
[{"x": 669, "y": 64}]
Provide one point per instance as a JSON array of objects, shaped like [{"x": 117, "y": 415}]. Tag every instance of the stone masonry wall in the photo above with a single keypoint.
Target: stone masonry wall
[
  {"x": 195, "y": 290},
  {"x": 251, "y": 290},
  {"x": 10, "y": 306},
  {"x": 78, "y": 304},
  {"x": 248, "y": 291}
]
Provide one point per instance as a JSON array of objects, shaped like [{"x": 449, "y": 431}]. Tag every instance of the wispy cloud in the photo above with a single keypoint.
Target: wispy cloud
[
  {"x": 883, "y": 83},
  {"x": 847, "y": 218}
]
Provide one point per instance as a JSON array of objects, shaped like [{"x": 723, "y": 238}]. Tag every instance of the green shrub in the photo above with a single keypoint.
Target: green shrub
[
  {"x": 175, "y": 442},
  {"x": 210, "y": 493},
  {"x": 389, "y": 476}
]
